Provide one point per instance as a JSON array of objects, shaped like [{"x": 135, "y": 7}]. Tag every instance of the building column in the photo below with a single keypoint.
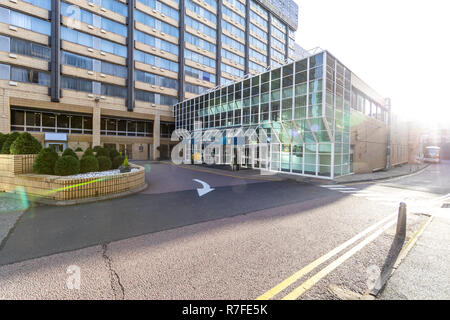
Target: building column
[
  {"x": 219, "y": 43},
  {"x": 130, "y": 56},
  {"x": 96, "y": 125},
  {"x": 181, "y": 45},
  {"x": 269, "y": 39},
  {"x": 247, "y": 37},
  {"x": 156, "y": 137},
  {"x": 4, "y": 111},
  {"x": 55, "y": 42}
]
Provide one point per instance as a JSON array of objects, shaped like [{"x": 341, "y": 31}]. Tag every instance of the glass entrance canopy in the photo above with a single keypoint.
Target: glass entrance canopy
[{"x": 302, "y": 107}]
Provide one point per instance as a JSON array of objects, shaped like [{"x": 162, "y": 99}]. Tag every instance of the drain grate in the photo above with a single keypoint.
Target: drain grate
[{"x": 446, "y": 206}]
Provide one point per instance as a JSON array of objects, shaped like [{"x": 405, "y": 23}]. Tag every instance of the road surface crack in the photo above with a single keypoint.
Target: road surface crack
[{"x": 116, "y": 285}]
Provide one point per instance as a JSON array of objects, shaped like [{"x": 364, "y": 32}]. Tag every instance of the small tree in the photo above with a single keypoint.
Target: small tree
[
  {"x": 3, "y": 138},
  {"x": 69, "y": 152},
  {"x": 45, "y": 161},
  {"x": 125, "y": 167},
  {"x": 8, "y": 142},
  {"x": 67, "y": 165},
  {"x": 88, "y": 164},
  {"x": 113, "y": 153},
  {"x": 104, "y": 163},
  {"x": 117, "y": 161},
  {"x": 88, "y": 152},
  {"x": 102, "y": 152}
]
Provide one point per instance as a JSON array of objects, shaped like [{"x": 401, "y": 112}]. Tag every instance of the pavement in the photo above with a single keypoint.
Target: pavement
[
  {"x": 424, "y": 274},
  {"x": 398, "y": 171},
  {"x": 240, "y": 241}
]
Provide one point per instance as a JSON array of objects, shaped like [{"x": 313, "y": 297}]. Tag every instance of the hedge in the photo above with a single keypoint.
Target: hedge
[
  {"x": 88, "y": 164},
  {"x": 3, "y": 138},
  {"x": 45, "y": 161},
  {"x": 67, "y": 165},
  {"x": 113, "y": 153},
  {"x": 8, "y": 142},
  {"x": 88, "y": 152},
  {"x": 117, "y": 161},
  {"x": 104, "y": 163},
  {"x": 102, "y": 152},
  {"x": 69, "y": 152},
  {"x": 25, "y": 144}
]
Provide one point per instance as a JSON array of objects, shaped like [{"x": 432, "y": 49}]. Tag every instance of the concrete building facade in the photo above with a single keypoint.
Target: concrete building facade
[{"x": 79, "y": 73}]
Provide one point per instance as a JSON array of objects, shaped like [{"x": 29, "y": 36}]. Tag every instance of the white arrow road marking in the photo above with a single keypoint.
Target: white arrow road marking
[{"x": 206, "y": 188}]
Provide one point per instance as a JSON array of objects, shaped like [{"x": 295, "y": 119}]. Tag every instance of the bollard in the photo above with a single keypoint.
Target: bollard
[{"x": 401, "y": 221}]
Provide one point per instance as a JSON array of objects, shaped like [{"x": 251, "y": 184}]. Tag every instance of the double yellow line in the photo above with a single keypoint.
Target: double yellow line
[{"x": 378, "y": 227}]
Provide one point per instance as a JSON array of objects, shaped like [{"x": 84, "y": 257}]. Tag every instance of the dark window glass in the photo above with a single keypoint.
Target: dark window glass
[
  {"x": 17, "y": 117},
  {"x": 48, "y": 120}
]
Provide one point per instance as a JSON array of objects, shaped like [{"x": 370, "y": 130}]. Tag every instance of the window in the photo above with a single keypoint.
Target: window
[
  {"x": 155, "y": 4},
  {"x": 45, "y": 4},
  {"x": 200, "y": 74},
  {"x": 30, "y": 120},
  {"x": 93, "y": 19},
  {"x": 233, "y": 29},
  {"x": 155, "y": 23},
  {"x": 156, "y": 79},
  {"x": 203, "y": 28},
  {"x": 31, "y": 76},
  {"x": 155, "y": 61},
  {"x": 30, "y": 49},
  {"x": 5, "y": 71},
  {"x": 233, "y": 57},
  {"x": 233, "y": 43},
  {"x": 201, "y": 11},
  {"x": 114, "y": 6},
  {"x": 76, "y": 84},
  {"x": 93, "y": 42},
  {"x": 155, "y": 42},
  {"x": 199, "y": 42},
  {"x": 199, "y": 58},
  {"x": 233, "y": 15},
  {"x": 24, "y": 21},
  {"x": 113, "y": 90},
  {"x": 192, "y": 88}
]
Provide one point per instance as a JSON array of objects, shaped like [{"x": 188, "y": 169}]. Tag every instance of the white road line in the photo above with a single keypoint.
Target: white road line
[
  {"x": 348, "y": 191},
  {"x": 366, "y": 194},
  {"x": 442, "y": 198},
  {"x": 328, "y": 186}
]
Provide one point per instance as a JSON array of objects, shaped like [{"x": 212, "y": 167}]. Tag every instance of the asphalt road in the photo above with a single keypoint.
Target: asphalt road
[{"x": 236, "y": 242}]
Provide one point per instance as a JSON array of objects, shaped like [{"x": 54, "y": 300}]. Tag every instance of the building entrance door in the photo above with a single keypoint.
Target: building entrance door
[{"x": 126, "y": 150}]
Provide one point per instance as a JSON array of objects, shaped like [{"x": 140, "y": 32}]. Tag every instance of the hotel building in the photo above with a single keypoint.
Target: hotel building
[{"x": 79, "y": 73}]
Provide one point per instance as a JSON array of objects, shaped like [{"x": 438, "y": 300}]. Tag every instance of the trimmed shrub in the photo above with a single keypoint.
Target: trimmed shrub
[
  {"x": 45, "y": 161},
  {"x": 117, "y": 161},
  {"x": 3, "y": 138},
  {"x": 88, "y": 152},
  {"x": 102, "y": 152},
  {"x": 8, "y": 142},
  {"x": 78, "y": 149},
  {"x": 69, "y": 152},
  {"x": 104, "y": 163},
  {"x": 113, "y": 153},
  {"x": 88, "y": 164},
  {"x": 66, "y": 166}
]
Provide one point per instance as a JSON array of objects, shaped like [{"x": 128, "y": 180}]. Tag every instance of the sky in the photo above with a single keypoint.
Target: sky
[{"x": 401, "y": 48}]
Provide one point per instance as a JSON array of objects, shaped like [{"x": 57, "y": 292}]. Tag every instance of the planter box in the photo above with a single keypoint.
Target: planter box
[
  {"x": 11, "y": 165},
  {"x": 65, "y": 189}
]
